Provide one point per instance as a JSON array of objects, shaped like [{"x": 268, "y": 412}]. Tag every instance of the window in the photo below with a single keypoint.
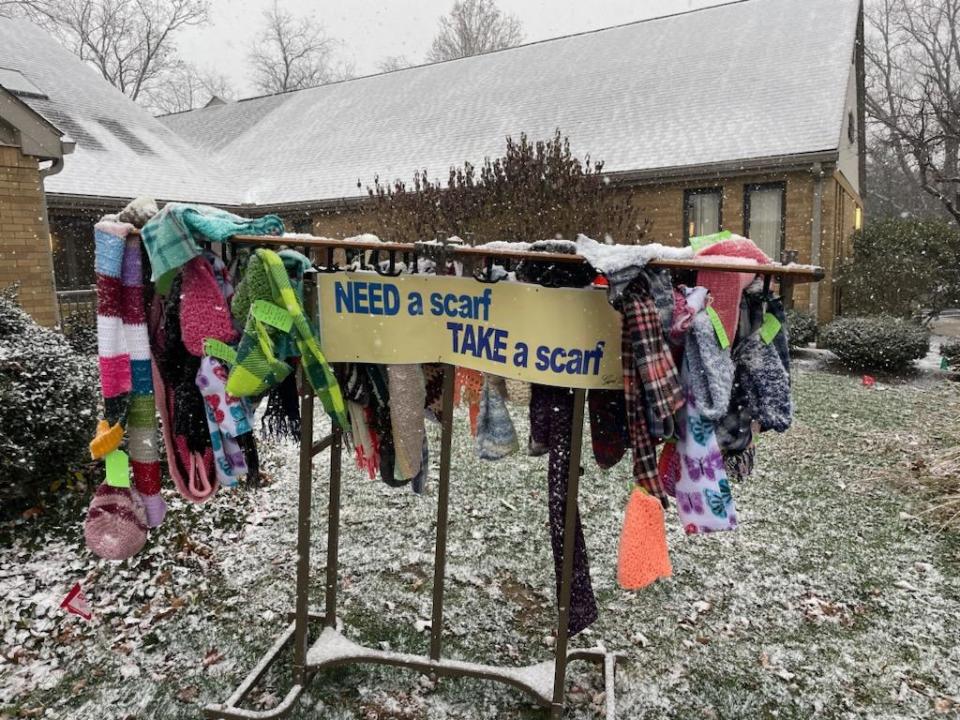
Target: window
[
  {"x": 702, "y": 212},
  {"x": 72, "y": 239},
  {"x": 764, "y": 216},
  {"x": 851, "y": 127}
]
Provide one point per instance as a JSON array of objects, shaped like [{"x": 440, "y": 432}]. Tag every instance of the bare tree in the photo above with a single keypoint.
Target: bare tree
[
  {"x": 293, "y": 53},
  {"x": 474, "y": 27},
  {"x": 187, "y": 87},
  {"x": 913, "y": 91},
  {"x": 130, "y": 42},
  {"x": 393, "y": 62}
]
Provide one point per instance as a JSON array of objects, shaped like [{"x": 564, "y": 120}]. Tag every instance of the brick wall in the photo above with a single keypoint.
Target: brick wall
[
  {"x": 662, "y": 205},
  {"x": 24, "y": 238}
]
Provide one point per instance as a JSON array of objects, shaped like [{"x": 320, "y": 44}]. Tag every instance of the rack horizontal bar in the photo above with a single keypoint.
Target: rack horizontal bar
[{"x": 796, "y": 273}]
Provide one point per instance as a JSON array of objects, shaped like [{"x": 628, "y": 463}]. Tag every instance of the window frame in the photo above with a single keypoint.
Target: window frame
[
  {"x": 691, "y": 192},
  {"x": 750, "y": 188}
]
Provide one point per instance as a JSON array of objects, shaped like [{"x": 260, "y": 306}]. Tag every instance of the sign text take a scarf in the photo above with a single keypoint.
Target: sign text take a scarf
[{"x": 553, "y": 336}]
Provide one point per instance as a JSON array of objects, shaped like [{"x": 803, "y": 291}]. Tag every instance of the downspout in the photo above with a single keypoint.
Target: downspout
[
  {"x": 56, "y": 165},
  {"x": 816, "y": 234},
  {"x": 861, "y": 106}
]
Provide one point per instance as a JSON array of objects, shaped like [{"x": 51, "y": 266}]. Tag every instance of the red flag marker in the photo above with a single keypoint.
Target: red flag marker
[{"x": 76, "y": 603}]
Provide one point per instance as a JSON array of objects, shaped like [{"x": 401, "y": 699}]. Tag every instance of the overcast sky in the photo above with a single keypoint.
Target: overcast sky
[{"x": 375, "y": 29}]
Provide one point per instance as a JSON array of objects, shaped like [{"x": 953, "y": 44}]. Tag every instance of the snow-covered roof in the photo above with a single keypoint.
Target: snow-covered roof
[
  {"x": 736, "y": 83},
  {"x": 746, "y": 80},
  {"x": 121, "y": 149}
]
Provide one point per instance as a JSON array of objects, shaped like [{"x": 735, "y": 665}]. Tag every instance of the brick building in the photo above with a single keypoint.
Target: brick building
[
  {"x": 746, "y": 116},
  {"x": 27, "y": 140}
]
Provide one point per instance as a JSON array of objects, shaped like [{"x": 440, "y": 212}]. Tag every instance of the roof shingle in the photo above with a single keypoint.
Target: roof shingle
[{"x": 747, "y": 80}]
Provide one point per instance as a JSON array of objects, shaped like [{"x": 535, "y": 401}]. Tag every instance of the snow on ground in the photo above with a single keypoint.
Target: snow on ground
[{"x": 833, "y": 600}]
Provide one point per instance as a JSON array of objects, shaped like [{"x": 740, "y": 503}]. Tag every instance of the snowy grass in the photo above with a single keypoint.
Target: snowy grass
[{"x": 835, "y": 599}]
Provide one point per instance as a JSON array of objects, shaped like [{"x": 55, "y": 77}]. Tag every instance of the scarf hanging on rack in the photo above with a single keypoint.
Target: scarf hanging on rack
[
  {"x": 119, "y": 516},
  {"x": 258, "y": 367},
  {"x": 552, "y": 407}
]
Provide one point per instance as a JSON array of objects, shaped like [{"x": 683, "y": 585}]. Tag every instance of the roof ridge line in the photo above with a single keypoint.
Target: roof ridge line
[{"x": 706, "y": 8}]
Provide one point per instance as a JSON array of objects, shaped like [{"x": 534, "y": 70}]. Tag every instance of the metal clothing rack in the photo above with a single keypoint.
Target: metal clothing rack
[{"x": 544, "y": 682}]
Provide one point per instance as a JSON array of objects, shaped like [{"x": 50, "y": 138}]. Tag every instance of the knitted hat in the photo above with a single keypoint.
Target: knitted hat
[
  {"x": 496, "y": 436},
  {"x": 643, "y": 555},
  {"x": 726, "y": 287},
  {"x": 407, "y": 399},
  {"x": 203, "y": 311},
  {"x": 608, "y": 426},
  {"x": 116, "y": 524}
]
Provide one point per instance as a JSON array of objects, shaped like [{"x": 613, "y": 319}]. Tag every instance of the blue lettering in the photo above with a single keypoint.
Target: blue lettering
[
  {"x": 376, "y": 299},
  {"x": 343, "y": 297},
  {"x": 469, "y": 341},
  {"x": 521, "y": 355},
  {"x": 556, "y": 359},
  {"x": 414, "y": 304},
  {"x": 455, "y": 328},
  {"x": 499, "y": 346},
  {"x": 391, "y": 300},
  {"x": 436, "y": 304},
  {"x": 543, "y": 357},
  {"x": 448, "y": 305},
  {"x": 484, "y": 300},
  {"x": 360, "y": 298}
]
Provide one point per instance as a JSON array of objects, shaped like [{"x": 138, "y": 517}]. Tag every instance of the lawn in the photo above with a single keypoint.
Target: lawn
[{"x": 839, "y": 597}]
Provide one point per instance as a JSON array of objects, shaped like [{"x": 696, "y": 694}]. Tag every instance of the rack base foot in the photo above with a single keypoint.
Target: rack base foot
[{"x": 333, "y": 649}]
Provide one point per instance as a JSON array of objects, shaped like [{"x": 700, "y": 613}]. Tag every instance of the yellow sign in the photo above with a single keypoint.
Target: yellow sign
[{"x": 553, "y": 336}]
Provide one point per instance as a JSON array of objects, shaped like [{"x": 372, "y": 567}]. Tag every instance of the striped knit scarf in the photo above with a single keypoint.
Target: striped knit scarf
[{"x": 123, "y": 347}]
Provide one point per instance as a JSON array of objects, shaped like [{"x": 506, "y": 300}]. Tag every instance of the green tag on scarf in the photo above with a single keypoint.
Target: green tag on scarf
[
  {"x": 701, "y": 241},
  {"x": 718, "y": 328},
  {"x": 770, "y": 328},
  {"x": 944, "y": 364},
  {"x": 272, "y": 315},
  {"x": 118, "y": 469},
  {"x": 220, "y": 350}
]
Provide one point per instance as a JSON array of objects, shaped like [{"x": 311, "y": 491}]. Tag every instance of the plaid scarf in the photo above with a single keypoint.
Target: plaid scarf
[
  {"x": 169, "y": 236},
  {"x": 655, "y": 369},
  {"x": 651, "y": 385},
  {"x": 315, "y": 365}
]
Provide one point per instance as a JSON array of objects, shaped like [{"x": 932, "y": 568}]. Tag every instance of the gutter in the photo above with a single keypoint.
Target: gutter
[
  {"x": 726, "y": 168},
  {"x": 800, "y": 162}
]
